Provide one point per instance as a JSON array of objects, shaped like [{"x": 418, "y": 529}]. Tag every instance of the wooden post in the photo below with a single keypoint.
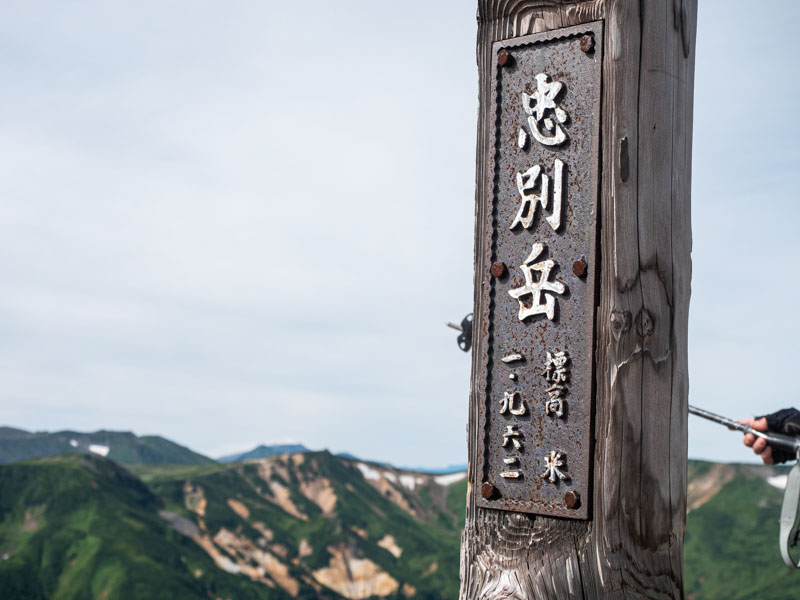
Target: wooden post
[{"x": 631, "y": 544}]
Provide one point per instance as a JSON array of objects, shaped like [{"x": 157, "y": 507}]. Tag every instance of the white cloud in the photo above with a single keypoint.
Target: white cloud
[{"x": 242, "y": 223}]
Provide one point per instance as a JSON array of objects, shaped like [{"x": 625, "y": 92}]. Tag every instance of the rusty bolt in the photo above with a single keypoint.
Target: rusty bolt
[
  {"x": 587, "y": 43},
  {"x": 572, "y": 500},
  {"x": 503, "y": 58},
  {"x": 488, "y": 490},
  {"x": 498, "y": 269},
  {"x": 579, "y": 267}
]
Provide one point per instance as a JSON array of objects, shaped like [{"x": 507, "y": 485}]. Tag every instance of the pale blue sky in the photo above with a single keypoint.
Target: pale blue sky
[{"x": 239, "y": 222}]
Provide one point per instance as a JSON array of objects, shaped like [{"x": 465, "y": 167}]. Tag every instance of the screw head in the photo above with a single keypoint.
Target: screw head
[
  {"x": 587, "y": 43},
  {"x": 579, "y": 267},
  {"x": 572, "y": 500},
  {"x": 503, "y": 58},
  {"x": 498, "y": 269},
  {"x": 488, "y": 490}
]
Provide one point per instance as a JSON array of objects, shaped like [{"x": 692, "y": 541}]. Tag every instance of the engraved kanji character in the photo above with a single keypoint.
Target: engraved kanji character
[
  {"x": 556, "y": 369},
  {"x": 541, "y": 106},
  {"x": 511, "y": 435},
  {"x": 511, "y": 474},
  {"x": 512, "y": 357},
  {"x": 537, "y": 288},
  {"x": 553, "y": 465},
  {"x": 528, "y": 182},
  {"x": 554, "y": 406},
  {"x": 556, "y": 373},
  {"x": 510, "y": 399}
]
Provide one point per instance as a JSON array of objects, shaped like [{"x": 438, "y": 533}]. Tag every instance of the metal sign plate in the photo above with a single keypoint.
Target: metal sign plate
[{"x": 536, "y": 336}]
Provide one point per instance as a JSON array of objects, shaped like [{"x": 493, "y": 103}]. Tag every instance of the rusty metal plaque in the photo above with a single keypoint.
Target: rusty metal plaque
[{"x": 536, "y": 336}]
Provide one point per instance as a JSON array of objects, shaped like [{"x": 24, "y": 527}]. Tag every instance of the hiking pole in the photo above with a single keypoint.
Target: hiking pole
[
  {"x": 789, "y": 533},
  {"x": 776, "y": 440}
]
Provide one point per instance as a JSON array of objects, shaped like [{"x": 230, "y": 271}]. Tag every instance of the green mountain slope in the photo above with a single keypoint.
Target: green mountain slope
[
  {"x": 79, "y": 526},
  {"x": 357, "y": 529},
  {"x": 122, "y": 447},
  {"x": 292, "y": 526},
  {"x": 731, "y": 545},
  {"x": 314, "y": 525}
]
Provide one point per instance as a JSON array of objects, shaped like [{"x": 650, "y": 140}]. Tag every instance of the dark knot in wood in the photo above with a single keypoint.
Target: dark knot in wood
[
  {"x": 624, "y": 160},
  {"x": 620, "y": 322},
  {"x": 645, "y": 324}
]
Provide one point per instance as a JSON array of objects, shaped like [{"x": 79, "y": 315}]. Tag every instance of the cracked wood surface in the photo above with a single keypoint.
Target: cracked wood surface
[{"x": 633, "y": 546}]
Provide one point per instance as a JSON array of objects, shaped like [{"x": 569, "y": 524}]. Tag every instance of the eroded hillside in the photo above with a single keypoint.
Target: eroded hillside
[
  {"x": 313, "y": 521},
  {"x": 315, "y": 526},
  {"x": 80, "y": 526}
]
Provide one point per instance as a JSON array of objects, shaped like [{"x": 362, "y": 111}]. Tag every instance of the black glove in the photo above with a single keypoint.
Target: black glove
[{"x": 786, "y": 421}]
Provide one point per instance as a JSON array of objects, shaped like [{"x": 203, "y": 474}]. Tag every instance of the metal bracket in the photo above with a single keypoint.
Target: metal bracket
[{"x": 465, "y": 338}]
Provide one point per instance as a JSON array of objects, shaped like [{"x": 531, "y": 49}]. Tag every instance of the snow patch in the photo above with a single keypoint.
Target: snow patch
[
  {"x": 98, "y": 449},
  {"x": 450, "y": 478},
  {"x": 779, "y": 481},
  {"x": 73, "y": 443},
  {"x": 390, "y": 476},
  {"x": 411, "y": 482},
  {"x": 368, "y": 472}
]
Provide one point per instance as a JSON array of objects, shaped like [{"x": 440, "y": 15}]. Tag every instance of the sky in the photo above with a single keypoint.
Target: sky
[{"x": 247, "y": 222}]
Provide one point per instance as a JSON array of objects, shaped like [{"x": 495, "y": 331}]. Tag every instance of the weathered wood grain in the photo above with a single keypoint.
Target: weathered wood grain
[{"x": 633, "y": 546}]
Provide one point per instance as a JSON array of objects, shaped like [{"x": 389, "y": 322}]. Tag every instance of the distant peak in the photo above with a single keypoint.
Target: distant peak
[
  {"x": 10, "y": 433},
  {"x": 264, "y": 451}
]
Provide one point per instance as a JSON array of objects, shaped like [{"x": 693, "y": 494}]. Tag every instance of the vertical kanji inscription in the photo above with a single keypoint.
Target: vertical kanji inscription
[{"x": 538, "y": 347}]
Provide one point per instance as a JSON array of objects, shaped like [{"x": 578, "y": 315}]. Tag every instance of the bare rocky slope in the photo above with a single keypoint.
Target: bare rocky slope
[
  {"x": 319, "y": 522},
  {"x": 313, "y": 525},
  {"x": 308, "y": 525}
]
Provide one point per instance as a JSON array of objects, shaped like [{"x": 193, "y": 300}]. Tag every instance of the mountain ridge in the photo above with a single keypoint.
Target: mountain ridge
[
  {"x": 124, "y": 447},
  {"x": 264, "y": 451},
  {"x": 314, "y": 525}
]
